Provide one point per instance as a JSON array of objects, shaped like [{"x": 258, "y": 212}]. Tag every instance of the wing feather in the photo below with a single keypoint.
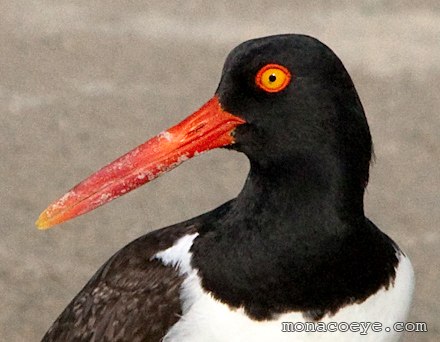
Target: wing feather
[{"x": 131, "y": 298}]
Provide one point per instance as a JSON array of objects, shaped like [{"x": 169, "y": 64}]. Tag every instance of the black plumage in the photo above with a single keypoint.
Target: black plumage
[{"x": 296, "y": 237}]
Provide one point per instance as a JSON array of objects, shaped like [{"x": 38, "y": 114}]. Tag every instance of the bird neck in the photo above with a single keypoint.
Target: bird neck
[
  {"x": 270, "y": 248},
  {"x": 303, "y": 193}
]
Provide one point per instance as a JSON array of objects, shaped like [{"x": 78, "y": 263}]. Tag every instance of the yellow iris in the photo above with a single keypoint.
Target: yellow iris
[{"x": 273, "y": 78}]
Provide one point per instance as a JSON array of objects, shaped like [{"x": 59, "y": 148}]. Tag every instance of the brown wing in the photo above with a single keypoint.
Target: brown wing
[{"x": 130, "y": 298}]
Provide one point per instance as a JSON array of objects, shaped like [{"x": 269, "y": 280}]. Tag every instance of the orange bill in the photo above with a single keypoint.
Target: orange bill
[{"x": 208, "y": 128}]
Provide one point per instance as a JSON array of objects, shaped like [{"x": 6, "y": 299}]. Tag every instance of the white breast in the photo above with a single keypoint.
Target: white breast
[{"x": 207, "y": 319}]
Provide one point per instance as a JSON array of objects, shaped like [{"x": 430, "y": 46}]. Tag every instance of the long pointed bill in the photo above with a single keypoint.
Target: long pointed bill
[{"x": 208, "y": 128}]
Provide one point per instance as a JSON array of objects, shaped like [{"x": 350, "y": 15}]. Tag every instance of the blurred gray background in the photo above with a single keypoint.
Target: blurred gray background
[{"x": 82, "y": 82}]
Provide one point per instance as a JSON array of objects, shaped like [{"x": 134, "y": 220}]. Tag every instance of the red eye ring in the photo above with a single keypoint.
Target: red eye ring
[{"x": 273, "y": 78}]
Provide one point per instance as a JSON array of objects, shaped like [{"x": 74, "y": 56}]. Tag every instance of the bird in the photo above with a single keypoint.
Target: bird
[{"x": 291, "y": 253}]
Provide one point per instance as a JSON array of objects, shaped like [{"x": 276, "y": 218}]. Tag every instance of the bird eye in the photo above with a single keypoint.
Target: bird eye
[{"x": 273, "y": 78}]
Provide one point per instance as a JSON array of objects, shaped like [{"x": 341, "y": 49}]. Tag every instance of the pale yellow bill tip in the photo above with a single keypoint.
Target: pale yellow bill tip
[{"x": 43, "y": 222}]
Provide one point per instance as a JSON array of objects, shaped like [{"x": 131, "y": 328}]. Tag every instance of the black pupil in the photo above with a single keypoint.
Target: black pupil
[{"x": 272, "y": 78}]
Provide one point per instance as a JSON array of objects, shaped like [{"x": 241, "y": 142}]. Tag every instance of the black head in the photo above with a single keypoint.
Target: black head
[
  {"x": 315, "y": 125},
  {"x": 294, "y": 112}
]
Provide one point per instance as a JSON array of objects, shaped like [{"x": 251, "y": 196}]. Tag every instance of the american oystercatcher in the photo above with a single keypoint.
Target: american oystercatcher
[{"x": 293, "y": 247}]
